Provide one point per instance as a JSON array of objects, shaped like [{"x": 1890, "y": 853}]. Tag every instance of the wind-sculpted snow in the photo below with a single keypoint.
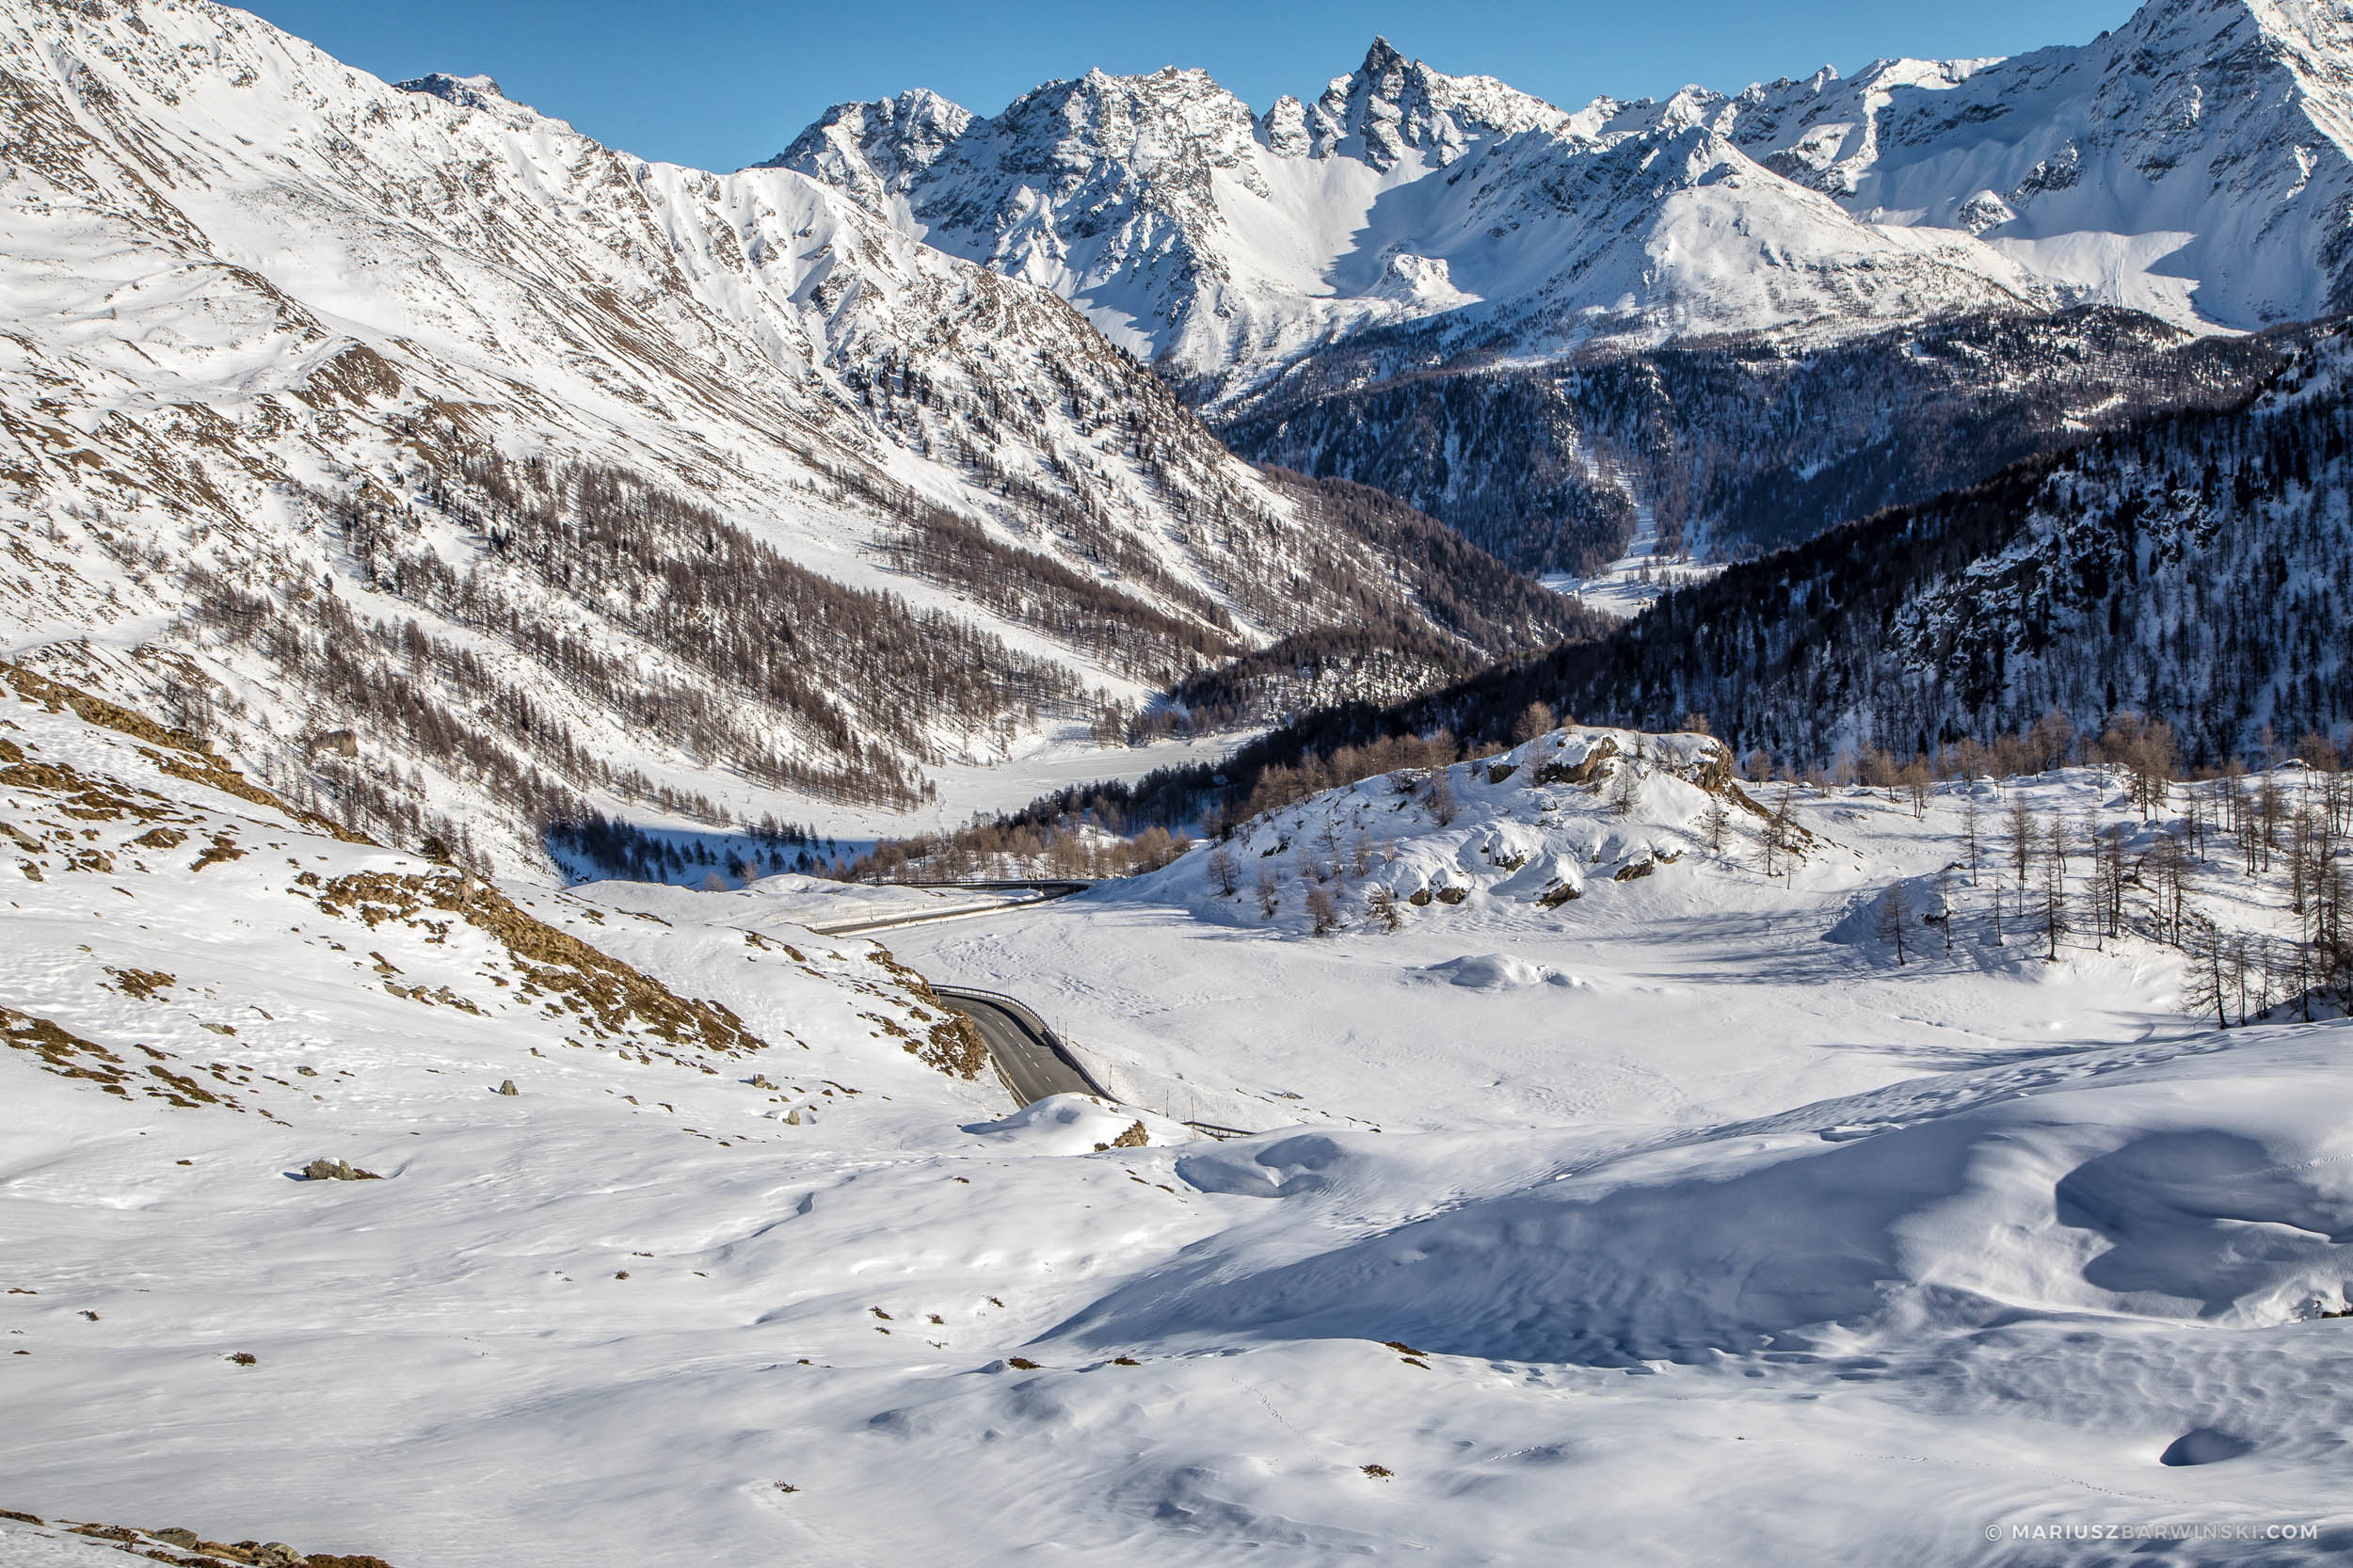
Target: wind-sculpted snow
[
  {"x": 1741, "y": 1230},
  {"x": 2199, "y": 1186}
]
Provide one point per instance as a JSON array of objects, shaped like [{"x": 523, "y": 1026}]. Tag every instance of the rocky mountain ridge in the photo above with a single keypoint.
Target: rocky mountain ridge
[
  {"x": 1409, "y": 227},
  {"x": 2139, "y": 169}
]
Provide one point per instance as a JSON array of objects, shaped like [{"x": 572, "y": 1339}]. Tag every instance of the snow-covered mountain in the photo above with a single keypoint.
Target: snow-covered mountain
[
  {"x": 1731, "y": 447},
  {"x": 2193, "y": 568},
  {"x": 1227, "y": 246},
  {"x": 1409, "y": 227},
  {"x": 1510, "y": 1146},
  {"x": 394, "y": 413},
  {"x": 2197, "y": 164}
]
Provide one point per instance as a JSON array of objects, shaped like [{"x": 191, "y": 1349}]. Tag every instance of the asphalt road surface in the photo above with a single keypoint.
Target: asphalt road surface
[
  {"x": 1046, "y": 892},
  {"x": 1031, "y": 1062}
]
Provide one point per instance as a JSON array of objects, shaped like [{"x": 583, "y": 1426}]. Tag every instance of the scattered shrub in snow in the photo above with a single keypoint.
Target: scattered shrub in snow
[
  {"x": 1891, "y": 919},
  {"x": 69, "y": 1055},
  {"x": 612, "y": 997}
]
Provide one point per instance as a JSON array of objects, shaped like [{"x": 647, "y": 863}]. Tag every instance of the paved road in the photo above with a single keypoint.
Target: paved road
[
  {"x": 1046, "y": 892},
  {"x": 1029, "y": 1058}
]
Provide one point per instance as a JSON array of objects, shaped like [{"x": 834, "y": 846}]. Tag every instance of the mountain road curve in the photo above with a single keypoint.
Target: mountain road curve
[{"x": 1030, "y": 1058}]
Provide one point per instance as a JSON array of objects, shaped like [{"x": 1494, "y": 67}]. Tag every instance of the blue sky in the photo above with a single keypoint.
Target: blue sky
[{"x": 722, "y": 82}]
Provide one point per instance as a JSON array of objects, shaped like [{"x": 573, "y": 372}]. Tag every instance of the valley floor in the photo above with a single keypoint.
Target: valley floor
[
  {"x": 1651, "y": 1228},
  {"x": 1067, "y": 758}
]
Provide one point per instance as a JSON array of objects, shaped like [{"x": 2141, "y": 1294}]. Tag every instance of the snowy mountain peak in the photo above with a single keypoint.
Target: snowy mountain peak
[
  {"x": 2195, "y": 164},
  {"x": 466, "y": 92},
  {"x": 1172, "y": 121},
  {"x": 1391, "y": 106},
  {"x": 2317, "y": 22},
  {"x": 874, "y": 151}
]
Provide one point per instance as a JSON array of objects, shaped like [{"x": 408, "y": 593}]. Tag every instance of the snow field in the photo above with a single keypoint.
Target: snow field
[{"x": 1737, "y": 1242}]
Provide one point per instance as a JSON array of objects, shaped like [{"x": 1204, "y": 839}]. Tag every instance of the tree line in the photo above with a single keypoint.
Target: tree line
[
  {"x": 2192, "y": 568},
  {"x": 1747, "y": 443}
]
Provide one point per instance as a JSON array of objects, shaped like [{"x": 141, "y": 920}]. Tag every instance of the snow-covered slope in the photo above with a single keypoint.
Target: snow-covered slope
[
  {"x": 1543, "y": 825},
  {"x": 1741, "y": 444},
  {"x": 2193, "y": 568},
  {"x": 1714, "y": 1208},
  {"x": 1708, "y": 1231},
  {"x": 152, "y": 957},
  {"x": 2196, "y": 162},
  {"x": 274, "y": 320},
  {"x": 1389, "y": 948}
]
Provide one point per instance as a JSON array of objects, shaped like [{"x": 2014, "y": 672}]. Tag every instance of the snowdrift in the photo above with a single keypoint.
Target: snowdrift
[
  {"x": 1499, "y": 971},
  {"x": 1076, "y": 1123},
  {"x": 736, "y": 1257},
  {"x": 2209, "y": 1184}
]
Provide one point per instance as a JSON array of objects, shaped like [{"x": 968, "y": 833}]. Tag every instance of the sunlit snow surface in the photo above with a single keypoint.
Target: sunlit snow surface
[
  {"x": 2190, "y": 163},
  {"x": 1630, "y": 584},
  {"x": 1708, "y": 1238}
]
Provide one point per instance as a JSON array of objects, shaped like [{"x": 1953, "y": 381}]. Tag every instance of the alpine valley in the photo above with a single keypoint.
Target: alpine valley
[{"x": 1612, "y": 833}]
